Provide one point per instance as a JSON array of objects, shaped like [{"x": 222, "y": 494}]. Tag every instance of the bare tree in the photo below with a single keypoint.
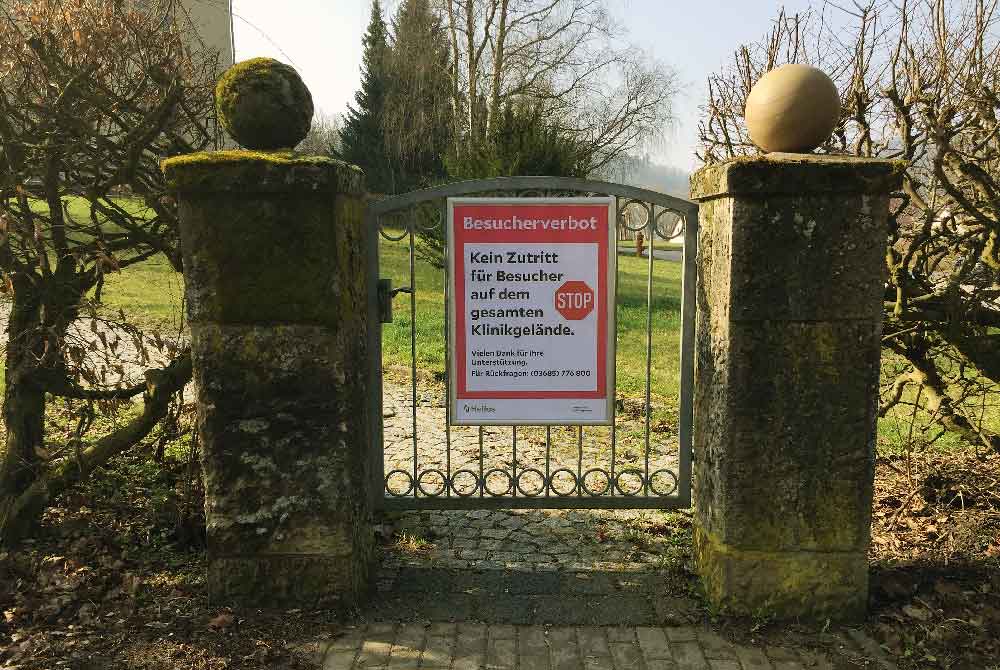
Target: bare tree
[
  {"x": 324, "y": 136},
  {"x": 565, "y": 55},
  {"x": 92, "y": 95},
  {"x": 920, "y": 83}
]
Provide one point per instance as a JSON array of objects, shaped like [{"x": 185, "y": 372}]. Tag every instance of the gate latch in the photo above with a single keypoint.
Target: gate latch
[{"x": 385, "y": 295}]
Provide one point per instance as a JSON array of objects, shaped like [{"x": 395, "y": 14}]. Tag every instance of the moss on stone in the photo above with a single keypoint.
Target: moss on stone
[
  {"x": 264, "y": 104},
  {"x": 796, "y": 174},
  {"x": 261, "y": 172},
  {"x": 783, "y": 585}
]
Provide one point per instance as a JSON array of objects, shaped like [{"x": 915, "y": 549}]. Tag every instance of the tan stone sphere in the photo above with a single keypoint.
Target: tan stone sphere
[{"x": 792, "y": 108}]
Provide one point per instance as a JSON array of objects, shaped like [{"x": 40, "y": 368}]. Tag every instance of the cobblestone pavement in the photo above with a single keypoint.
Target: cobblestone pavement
[
  {"x": 572, "y": 452},
  {"x": 472, "y": 646},
  {"x": 540, "y": 540}
]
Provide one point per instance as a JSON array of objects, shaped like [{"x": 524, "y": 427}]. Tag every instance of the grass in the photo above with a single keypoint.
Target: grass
[
  {"x": 151, "y": 292},
  {"x": 629, "y": 246}
]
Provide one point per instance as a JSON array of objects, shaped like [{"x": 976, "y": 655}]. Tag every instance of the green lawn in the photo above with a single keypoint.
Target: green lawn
[{"x": 151, "y": 292}]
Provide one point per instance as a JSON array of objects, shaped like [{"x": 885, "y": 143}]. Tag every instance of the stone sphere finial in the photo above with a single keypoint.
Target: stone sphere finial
[
  {"x": 263, "y": 104},
  {"x": 792, "y": 108}
]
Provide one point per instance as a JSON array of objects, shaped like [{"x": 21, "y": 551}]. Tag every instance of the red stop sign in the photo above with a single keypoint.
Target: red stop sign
[{"x": 574, "y": 300}]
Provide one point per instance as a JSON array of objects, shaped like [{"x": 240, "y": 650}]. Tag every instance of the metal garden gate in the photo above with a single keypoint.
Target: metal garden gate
[{"x": 421, "y": 461}]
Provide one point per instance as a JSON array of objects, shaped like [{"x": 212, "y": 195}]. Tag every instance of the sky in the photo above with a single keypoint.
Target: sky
[{"x": 322, "y": 40}]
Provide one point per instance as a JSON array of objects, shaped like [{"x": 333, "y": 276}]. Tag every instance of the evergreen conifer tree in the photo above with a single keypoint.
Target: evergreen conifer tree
[
  {"x": 418, "y": 117},
  {"x": 363, "y": 138}
]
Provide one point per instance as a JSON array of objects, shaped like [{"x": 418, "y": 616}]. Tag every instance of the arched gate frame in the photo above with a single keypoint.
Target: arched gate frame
[{"x": 533, "y": 477}]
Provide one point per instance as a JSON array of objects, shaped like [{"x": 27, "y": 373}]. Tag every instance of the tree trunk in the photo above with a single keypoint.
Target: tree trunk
[
  {"x": 22, "y": 512},
  {"x": 42, "y": 309},
  {"x": 24, "y": 403}
]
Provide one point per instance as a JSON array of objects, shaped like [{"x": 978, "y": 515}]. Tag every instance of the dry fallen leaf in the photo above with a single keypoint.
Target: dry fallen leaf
[{"x": 222, "y": 621}]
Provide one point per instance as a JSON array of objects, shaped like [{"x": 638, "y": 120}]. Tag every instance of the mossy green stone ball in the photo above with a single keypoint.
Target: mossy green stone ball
[{"x": 263, "y": 104}]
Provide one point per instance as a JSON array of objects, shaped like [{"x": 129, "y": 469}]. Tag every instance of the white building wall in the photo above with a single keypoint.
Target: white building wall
[{"x": 213, "y": 23}]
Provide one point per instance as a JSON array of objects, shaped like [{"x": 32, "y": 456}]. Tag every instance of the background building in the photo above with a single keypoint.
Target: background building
[{"x": 213, "y": 26}]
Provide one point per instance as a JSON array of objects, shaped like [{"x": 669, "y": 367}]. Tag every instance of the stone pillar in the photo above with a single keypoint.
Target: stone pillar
[
  {"x": 791, "y": 278},
  {"x": 276, "y": 290}
]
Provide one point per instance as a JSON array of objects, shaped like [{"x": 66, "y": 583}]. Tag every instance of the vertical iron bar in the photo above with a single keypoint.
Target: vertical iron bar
[
  {"x": 413, "y": 345},
  {"x": 513, "y": 467},
  {"x": 482, "y": 478},
  {"x": 548, "y": 460},
  {"x": 622, "y": 213},
  {"x": 651, "y": 223},
  {"x": 689, "y": 280},
  {"x": 371, "y": 231},
  {"x": 579, "y": 460},
  {"x": 447, "y": 355}
]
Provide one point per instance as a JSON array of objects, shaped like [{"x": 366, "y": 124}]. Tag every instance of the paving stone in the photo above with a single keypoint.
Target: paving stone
[
  {"x": 563, "y": 651},
  {"x": 788, "y": 665},
  {"x": 534, "y": 583},
  {"x": 532, "y": 641},
  {"x": 653, "y": 642},
  {"x": 470, "y": 647},
  {"x": 339, "y": 659},
  {"x": 715, "y": 646},
  {"x": 598, "y": 663},
  {"x": 441, "y": 630},
  {"x": 612, "y": 610},
  {"x": 592, "y": 641},
  {"x": 350, "y": 639},
  {"x": 508, "y": 609},
  {"x": 752, "y": 658},
  {"x": 660, "y": 664},
  {"x": 621, "y": 634},
  {"x": 383, "y": 632},
  {"x": 408, "y": 647},
  {"x": 688, "y": 655},
  {"x": 815, "y": 661},
  {"x": 502, "y": 632},
  {"x": 374, "y": 654},
  {"x": 681, "y": 633},
  {"x": 587, "y": 583},
  {"x": 471, "y": 632},
  {"x": 781, "y": 653},
  {"x": 627, "y": 656},
  {"x": 438, "y": 652},
  {"x": 501, "y": 654},
  {"x": 717, "y": 664}
]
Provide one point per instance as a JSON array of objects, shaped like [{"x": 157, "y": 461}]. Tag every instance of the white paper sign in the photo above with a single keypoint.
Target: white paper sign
[{"x": 532, "y": 321}]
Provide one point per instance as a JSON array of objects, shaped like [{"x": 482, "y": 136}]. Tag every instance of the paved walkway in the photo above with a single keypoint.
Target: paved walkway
[
  {"x": 537, "y": 590},
  {"x": 548, "y": 589},
  {"x": 471, "y": 646}
]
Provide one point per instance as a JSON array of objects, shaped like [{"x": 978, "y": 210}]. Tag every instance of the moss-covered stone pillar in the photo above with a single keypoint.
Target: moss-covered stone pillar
[
  {"x": 791, "y": 281},
  {"x": 276, "y": 289}
]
